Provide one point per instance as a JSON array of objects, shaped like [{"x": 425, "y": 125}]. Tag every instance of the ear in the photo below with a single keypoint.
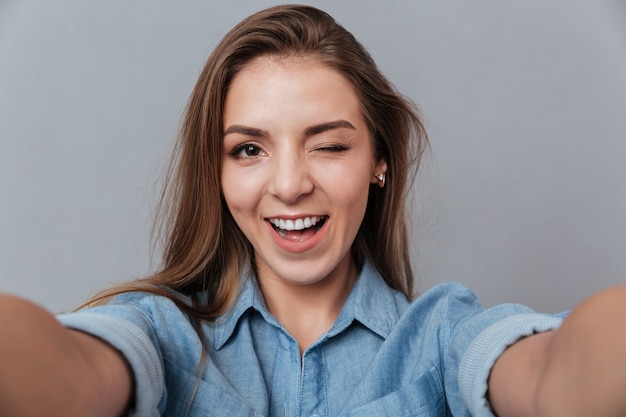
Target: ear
[{"x": 379, "y": 168}]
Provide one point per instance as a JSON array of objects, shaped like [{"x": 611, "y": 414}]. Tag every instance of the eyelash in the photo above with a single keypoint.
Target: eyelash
[
  {"x": 238, "y": 151},
  {"x": 244, "y": 147},
  {"x": 333, "y": 148}
]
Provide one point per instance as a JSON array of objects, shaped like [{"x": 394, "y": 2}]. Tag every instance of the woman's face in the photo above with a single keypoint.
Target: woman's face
[{"x": 297, "y": 164}]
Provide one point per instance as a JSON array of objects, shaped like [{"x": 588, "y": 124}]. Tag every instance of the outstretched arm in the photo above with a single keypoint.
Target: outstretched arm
[
  {"x": 577, "y": 370},
  {"x": 46, "y": 369}
]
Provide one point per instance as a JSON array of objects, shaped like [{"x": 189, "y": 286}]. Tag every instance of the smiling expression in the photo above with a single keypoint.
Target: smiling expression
[{"x": 297, "y": 165}]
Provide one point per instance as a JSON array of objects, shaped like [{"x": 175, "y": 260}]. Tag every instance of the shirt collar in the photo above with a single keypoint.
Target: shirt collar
[
  {"x": 371, "y": 302},
  {"x": 249, "y": 296}
]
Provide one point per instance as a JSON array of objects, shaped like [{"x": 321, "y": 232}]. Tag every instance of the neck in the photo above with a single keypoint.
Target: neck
[{"x": 308, "y": 311}]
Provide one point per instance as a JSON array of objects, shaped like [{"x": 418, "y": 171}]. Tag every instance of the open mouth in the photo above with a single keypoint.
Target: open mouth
[{"x": 301, "y": 226}]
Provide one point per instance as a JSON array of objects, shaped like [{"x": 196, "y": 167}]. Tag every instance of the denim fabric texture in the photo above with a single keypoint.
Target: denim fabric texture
[{"x": 384, "y": 356}]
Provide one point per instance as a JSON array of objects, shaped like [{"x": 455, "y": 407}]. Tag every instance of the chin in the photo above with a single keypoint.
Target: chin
[{"x": 303, "y": 280}]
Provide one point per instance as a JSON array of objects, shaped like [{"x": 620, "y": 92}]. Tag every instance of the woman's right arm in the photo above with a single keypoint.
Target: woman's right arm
[{"x": 47, "y": 369}]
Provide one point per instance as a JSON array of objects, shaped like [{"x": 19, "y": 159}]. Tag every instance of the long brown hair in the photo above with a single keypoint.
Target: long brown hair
[{"x": 204, "y": 252}]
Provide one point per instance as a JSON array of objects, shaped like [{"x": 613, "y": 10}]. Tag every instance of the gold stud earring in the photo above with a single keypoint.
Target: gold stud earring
[{"x": 381, "y": 179}]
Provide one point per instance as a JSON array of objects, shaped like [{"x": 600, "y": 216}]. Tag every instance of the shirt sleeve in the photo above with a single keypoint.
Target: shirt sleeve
[
  {"x": 477, "y": 338},
  {"x": 129, "y": 330},
  {"x": 487, "y": 347}
]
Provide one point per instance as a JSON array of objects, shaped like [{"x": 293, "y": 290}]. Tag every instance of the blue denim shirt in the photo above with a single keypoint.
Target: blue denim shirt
[{"x": 384, "y": 355}]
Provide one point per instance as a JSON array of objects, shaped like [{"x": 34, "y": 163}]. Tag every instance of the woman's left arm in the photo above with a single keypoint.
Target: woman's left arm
[{"x": 577, "y": 370}]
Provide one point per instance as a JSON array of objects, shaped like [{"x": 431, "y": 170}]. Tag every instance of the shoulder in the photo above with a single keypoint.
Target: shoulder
[
  {"x": 138, "y": 321},
  {"x": 458, "y": 305},
  {"x": 450, "y": 301},
  {"x": 140, "y": 308}
]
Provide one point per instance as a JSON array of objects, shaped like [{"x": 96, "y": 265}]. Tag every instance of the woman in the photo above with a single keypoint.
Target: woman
[{"x": 285, "y": 287}]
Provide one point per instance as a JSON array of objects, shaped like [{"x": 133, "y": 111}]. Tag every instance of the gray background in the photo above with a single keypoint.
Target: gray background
[{"x": 523, "y": 199}]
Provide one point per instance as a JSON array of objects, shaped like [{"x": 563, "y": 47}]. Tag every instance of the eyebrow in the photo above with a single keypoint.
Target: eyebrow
[
  {"x": 245, "y": 130},
  {"x": 309, "y": 131},
  {"x": 321, "y": 128}
]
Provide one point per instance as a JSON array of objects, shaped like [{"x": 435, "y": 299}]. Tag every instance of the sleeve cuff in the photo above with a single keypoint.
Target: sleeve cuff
[
  {"x": 487, "y": 347},
  {"x": 136, "y": 347}
]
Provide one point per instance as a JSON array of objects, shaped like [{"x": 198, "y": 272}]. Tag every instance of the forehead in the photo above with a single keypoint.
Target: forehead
[
  {"x": 295, "y": 86},
  {"x": 284, "y": 68}
]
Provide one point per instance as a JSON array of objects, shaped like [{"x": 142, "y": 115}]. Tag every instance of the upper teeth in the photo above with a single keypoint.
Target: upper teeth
[{"x": 297, "y": 224}]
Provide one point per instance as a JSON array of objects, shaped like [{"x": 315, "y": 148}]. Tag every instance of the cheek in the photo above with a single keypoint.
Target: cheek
[
  {"x": 348, "y": 190},
  {"x": 241, "y": 190},
  {"x": 350, "y": 181}
]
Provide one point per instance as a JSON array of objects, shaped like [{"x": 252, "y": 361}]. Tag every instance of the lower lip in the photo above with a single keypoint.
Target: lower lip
[{"x": 297, "y": 246}]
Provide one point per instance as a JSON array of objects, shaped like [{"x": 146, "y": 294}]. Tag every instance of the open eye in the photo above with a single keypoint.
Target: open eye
[{"x": 246, "y": 150}]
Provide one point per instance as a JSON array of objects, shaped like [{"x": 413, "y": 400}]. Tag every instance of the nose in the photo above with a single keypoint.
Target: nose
[{"x": 290, "y": 177}]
